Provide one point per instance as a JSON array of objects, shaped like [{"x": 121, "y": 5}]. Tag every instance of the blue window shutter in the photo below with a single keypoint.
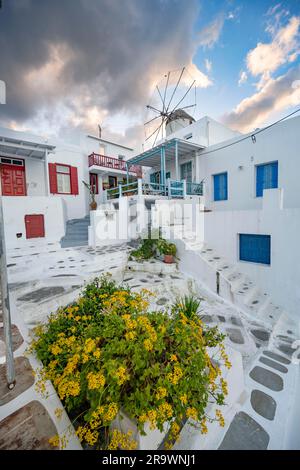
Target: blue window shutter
[
  {"x": 266, "y": 177},
  {"x": 220, "y": 187},
  {"x": 255, "y": 248}
]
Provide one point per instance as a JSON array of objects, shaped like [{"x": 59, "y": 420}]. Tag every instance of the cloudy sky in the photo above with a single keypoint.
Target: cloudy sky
[{"x": 77, "y": 63}]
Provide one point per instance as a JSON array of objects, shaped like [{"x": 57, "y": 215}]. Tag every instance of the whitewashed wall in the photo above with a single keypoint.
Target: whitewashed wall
[
  {"x": 15, "y": 209},
  {"x": 281, "y": 142},
  {"x": 282, "y": 278},
  {"x": 35, "y": 173}
]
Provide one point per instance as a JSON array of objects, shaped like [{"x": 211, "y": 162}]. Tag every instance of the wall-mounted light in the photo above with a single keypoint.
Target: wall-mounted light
[
  {"x": 253, "y": 138},
  {"x": 241, "y": 167}
]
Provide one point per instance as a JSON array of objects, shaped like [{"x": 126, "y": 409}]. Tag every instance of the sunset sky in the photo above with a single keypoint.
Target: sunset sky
[{"x": 77, "y": 63}]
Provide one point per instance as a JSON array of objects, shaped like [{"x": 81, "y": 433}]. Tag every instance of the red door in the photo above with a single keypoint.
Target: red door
[
  {"x": 13, "y": 180},
  {"x": 35, "y": 227}
]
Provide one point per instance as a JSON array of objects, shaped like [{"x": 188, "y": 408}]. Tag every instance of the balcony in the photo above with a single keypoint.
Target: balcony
[{"x": 96, "y": 159}]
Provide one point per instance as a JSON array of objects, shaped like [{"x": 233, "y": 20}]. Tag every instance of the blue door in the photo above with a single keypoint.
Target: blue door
[
  {"x": 255, "y": 248},
  {"x": 266, "y": 177}
]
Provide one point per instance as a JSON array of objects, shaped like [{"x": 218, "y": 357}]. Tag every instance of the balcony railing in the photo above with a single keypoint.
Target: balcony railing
[{"x": 113, "y": 163}]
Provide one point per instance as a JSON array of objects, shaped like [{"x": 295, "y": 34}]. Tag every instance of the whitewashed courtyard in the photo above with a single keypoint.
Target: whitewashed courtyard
[{"x": 264, "y": 382}]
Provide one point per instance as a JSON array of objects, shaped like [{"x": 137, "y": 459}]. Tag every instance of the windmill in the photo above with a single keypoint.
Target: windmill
[{"x": 172, "y": 96}]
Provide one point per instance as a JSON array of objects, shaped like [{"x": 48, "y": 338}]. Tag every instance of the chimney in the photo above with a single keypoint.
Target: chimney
[{"x": 99, "y": 131}]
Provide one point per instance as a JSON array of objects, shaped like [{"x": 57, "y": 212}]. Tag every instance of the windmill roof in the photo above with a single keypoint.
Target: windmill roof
[{"x": 179, "y": 114}]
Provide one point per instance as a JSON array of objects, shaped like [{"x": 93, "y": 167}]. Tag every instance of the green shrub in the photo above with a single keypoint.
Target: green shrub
[{"x": 107, "y": 352}]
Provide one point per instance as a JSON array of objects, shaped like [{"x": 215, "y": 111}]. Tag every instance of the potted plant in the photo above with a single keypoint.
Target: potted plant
[
  {"x": 91, "y": 189},
  {"x": 168, "y": 250},
  {"x": 126, "y": 375}
]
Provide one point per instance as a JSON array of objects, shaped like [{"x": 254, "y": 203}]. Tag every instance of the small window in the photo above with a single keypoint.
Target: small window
[
  {"x": 6, "y": 160},
  {"x": 255, "y": 248},
  {"x": 220, "y": 187},
  {"x": 266, "y": 177},
  {"x": 18, "y": 162},
  {"x": 63, "y": 174}
]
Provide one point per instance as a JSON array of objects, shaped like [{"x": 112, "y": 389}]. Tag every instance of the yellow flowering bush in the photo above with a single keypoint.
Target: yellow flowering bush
[{"x": 107, "y": 352}]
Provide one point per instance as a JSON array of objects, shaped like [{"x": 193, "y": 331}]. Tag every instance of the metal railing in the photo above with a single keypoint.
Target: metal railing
[
  {"x": 175, "y": 189},
  {"x": 129, "y": 189},
  {"x": 113, "y": 163},
  {"x": 194, "y": 189},
  {"x": 153, "y": 189}
]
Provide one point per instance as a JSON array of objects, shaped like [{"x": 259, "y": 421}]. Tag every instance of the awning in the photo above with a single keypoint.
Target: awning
[
  {"x": 12, "y": 147},
  {"x": 152, "y": 156}
]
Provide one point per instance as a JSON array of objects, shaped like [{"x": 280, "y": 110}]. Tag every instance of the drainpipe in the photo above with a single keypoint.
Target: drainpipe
[{"x": 10, "y": 367}]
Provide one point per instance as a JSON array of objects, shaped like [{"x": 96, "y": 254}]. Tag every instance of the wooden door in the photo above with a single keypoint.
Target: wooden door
[
  {"x": 35, "y": 227},
  {"x": 13, "y": 180}
]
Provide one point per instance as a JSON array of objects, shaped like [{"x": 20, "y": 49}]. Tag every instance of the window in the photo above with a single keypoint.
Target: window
[
  {"x": 186, "y": 171},
  {"x": 63, "y": 175},
  {"x": 220, "y": 187},
  {"x": 255, "y": 248},
  {"x": 9, "y": 161},
  {"x": 113, "y": 182},
  {"x": 266, "y": 177},
  {"x": 63, "y": 179}
]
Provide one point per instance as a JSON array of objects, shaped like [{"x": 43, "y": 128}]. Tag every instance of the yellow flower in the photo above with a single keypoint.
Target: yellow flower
[
  {"x": 122, "y": 375},
  {"x": 54, "y": 441},
  {"x": 148, "y": 345},
  {"x": 111, "y": 412},
  {"x": 161, "y": 393},
  {"x": 58, "y": 412},
  {"x": 95, "y": 380},
  {"x": 152, "y": 417},
  {"x": 220, "y": 418},
  {"x": 183, "y": 399},
  {"x": 122, "y": 441},
  {"x": 204, "y": 429},
  {"x": 130, "y": 335},
  {"x": 165, "y": 410},
  {"x": 173, "y": 358},
  {"x": 85, "y": 358},
  {"x": 68, "y": 388},
  {"x": 176, "y": 375},
  {"x": 89, "y": 345},
  {"x": 97, "y": 353},
  {"x": 91, "y": 437},
  {"x": 55, "y": 349},
  {"x": 192, "y": 413}
]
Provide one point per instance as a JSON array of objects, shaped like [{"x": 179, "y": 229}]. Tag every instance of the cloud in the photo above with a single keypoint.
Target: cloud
[
  {"x": 208, "y": 65},
  {"x": 276, "y": 95},
  {"x": 243, "y": 77},
  {"x": 77, "y": 63},
  {"x": 210, "y": 34},
  {"x": 266, "y": 58}
]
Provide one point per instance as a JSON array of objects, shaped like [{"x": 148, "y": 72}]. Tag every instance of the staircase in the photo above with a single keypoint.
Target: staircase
[
  {"x": 76, "y": 232},
  {"x": 225, "y": 279}
]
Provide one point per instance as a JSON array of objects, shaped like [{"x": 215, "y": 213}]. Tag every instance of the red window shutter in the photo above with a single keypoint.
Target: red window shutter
[
  {"x": 52, "y": 178},
  {"x": 74, "y": 180}
]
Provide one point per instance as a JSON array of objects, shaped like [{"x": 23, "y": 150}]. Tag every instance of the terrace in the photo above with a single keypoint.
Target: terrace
[{"x": 97, "y": 162}]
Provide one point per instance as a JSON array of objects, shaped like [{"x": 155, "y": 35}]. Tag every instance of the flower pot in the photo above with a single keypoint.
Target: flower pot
[
  {"x": 93, "y": 206},
  {"x": 169, "y": 259},
  {"x": 151, "y": 441}
]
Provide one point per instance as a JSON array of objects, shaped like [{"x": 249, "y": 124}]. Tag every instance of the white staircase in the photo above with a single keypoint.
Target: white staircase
[{"x": 225, "y": 278}]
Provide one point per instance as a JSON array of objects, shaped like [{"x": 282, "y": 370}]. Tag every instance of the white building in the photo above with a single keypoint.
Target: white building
[
  {"x": 41, "y": 181},
  {"x": 250, "y": 193},
  {"x": 247, "y": 183}
]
